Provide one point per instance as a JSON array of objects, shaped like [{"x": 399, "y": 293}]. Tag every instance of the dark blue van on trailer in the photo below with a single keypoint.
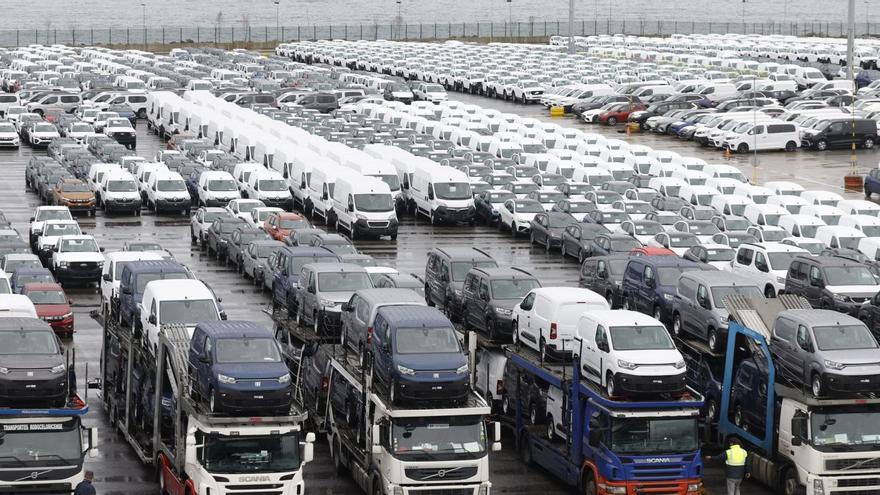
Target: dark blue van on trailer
[
  {"x": 237, "y": 367},
  {"x": 649, "y": 283},
  {"x": 417, "y": 354},
  {"x": 134, "y": 279}
]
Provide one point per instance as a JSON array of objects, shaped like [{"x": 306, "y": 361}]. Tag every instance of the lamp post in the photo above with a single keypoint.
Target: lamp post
[
  {"x": 399, "y": 21},
  {"x": 277, "y": 29},
  {"x": 571, "y": 27},
  {"x": 510, "y": 19},
  {"x": 144, "y": 23}
]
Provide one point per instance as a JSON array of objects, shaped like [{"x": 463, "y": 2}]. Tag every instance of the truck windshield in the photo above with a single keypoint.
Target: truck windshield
[
  {"x": 78, "y": 246},
  {"x": 38, "y": 444},
  {"x": 57, "y": 229},
  {"x": 188, "y": 312},
  {"x": 425, "y": 340},
  {"x": 633, "y": 338},
  {"x": 453, "y": 190},
  {"x": 844, "y": 337},
  {"x": 257, "y": 454},
  {"x": 244, "y": 350},
  {"x": 648, "y": 436},
  {"x": 833, "y": 428},
  {"x": 439, "y": 439},
  {"x": 373, "y": 202}
]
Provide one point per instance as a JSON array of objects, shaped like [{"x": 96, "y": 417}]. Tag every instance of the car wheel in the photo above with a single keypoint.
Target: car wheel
[
  {"x": 610, "y": 389},
  {"x": 513, "y": 230},
  {"x": 212, "y": 400},
  {"x": 713, "y": 340},
  {"x": 738, "y": 416},
  {"x": 542, "y": 349},
  {"x": 531, "y": 237},
  {"x": 869, "y": 143},
  {"x": 822, "y": 145},
  {"x": 790, "y": 146},
  {"x": 742, "y": 148},
  {"x": 816, "y": 385},
  {"x": 515, "y": 336},
  {"x": 428, "y": 299},
  {"x": 612, "y": 121},
  {"x": 711, "y": 410},
  {"x": 610, "y": 298},
  {"x": 769, "y": 292},
  {"x": 562, "y": 249},
  {"x": 315, "y": 326},
  {"x": 505, "y": 404},
  {"x": 551, "y": 427},
  {"x": 676, "y": 325},
  {"x": 490, "y": 328},
  {"x": 581, "y": 256},
  {"x": 533, "y": 413},
  {"x": 392, "y": 391}
]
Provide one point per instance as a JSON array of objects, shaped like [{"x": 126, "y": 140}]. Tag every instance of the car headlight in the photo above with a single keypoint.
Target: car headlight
[
  {"x": 101, "y": 264},
  {"x": 462, "y": 369},
  {"x": 457, "y": 292},
  {"x": 781, "y": 280},
  {"x": 695, "y": 487},
  {"x": 626, "y": 365},
  {"x": 225, "y": 379},
  {"x": 667, "y": 296},
  {"x": 818, "y": 487},
  {"x": 398, "y": 490},
  {"x": 504, "y": 311},
  {"x": 328, "y": 302},
  {"x": 360, "y": 217},
  {"x": 679, "y": 365},
  {"x": 840, "y": 297},
  {"x": 834, "y": 365},
  {"x": 58, "y": 369},
  {"x": 3, "y": 370},
  {"x": 285, "y": 378},
  {"x": 63, "y": 264},
  {"x": 406, "y": 371}
]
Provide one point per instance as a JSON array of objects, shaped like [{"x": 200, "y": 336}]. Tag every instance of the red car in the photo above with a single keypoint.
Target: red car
[
  {"x": 651, "y": 251},
  {"x": 619, "y": 112},
  {"x": 52, "y": 306},
  {"x": 279, "y": 225}
]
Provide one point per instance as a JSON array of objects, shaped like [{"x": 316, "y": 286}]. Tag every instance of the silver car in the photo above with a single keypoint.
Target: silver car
[
  {"x": 832, "y": 352},
  {"x": 255, "y": 256}
]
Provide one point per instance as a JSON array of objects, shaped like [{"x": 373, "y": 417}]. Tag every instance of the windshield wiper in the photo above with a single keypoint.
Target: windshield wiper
[{"x": 55, "y": 456}]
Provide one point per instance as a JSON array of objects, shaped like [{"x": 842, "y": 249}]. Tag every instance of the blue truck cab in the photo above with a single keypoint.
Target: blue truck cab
[
  {"x": 417, "y": 355},
  {"x": 286, "y": 264},
  {"x": 134, "y": 279},
  {"x": 649, "y": 283},
  {"x": 237, "y": 366},
  {"x": 624, "y": 447}
]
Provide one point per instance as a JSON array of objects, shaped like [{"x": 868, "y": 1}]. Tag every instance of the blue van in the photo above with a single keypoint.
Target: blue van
[
  {"x": 285, "y": 265},
  {"x": 649, "y": 283},
  {"x": 237, "y": 366},
  {"x": 134, "y": 279},
  {"x": 417, "y": 354}
]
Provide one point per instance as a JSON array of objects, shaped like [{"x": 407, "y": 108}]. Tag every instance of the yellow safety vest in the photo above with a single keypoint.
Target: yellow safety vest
[{"x": 736, "y": 456}]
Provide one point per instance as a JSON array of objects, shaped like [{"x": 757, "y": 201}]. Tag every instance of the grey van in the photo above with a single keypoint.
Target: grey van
[
  {"x": 360, "y": 311},
  {"x": 323, "y": 288},
  {"x": 832, "y": 352},
  {"x": 698, "y": 304}
]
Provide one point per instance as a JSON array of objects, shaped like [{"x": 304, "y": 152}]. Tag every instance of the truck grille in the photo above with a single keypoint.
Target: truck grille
[
  {"x": 442, "y": 491},
  {"x": 83, "y": 265},
  {"x": 438, "y": 474},
  {"x": 847, "y": 464},
  {"x": 380, "y": 225},
  {"x": 853, "y": 482},
  {"x": 256, "y": 489},
  {"x": 855, "y": 492}
]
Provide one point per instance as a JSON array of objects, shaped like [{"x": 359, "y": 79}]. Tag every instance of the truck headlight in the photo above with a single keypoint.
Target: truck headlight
[
  {"x": 58, "y": 369},
  {"x": 406, "y": 371},
  {"x": 818, "y": 487},
  {"x": 285, "y": 378},
  {"x": 626, "y": 365},
  {"x": 225, "y": 379},
  {"x": 834, "y": 365},
  {"x": 615, "y": 490},
  {"x": 462, "y": 369},
  {"x": 503, "y": 311},
  {"x": 484, "y": 490},
  {"x": 694, "y": 487}
]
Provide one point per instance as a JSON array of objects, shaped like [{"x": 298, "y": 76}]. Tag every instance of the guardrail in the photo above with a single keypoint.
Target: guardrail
[{"x": 244, "y": 35}]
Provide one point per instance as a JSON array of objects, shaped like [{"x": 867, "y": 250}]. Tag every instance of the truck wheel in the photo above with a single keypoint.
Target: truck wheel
[
  {"x": 790, "y": 484},
  {"x": 589, "y": 485},
  {"x": 377, "y": 487}
]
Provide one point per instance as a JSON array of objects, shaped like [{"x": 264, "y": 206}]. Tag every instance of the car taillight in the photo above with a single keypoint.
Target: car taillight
[
  {"x": 325, "y": 382},
  {"x": 553, "y": 330},
  {"x": 499, "y": 387},
  {"x": 369, "y": 335}
]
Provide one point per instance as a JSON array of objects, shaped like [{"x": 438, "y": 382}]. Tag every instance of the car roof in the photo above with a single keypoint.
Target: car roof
[
  {"x": 820, "y": 317},
  {"x": 33, "y": 286},
  {"x": 414, "y": 316},
  {"x": 152, "y": 266},
  {"x": 719, "y": 277},
  {"x": 390, "y": 295},
  {"x": 336, "y": 267},
  {"x": 234, "y": 328},
  {"x": 18, "y": 324},
  {"x": 505, "y": 273}
]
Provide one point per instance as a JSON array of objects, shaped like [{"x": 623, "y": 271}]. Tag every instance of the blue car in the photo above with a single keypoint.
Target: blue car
[
  {"x": 134, "y": 279},
  {"x": 237, "y": 367},
  {"x": 23, "y": 276},
  {"x": 288, "y": 262},
  {"x": 417, "y": 355},
  {"x": 649, "y": 283},
  {"x": 872, "y": 183}
]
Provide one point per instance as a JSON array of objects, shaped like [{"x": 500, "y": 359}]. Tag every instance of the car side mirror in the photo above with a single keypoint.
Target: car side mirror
[
  {"x": 703, "y": 302},
  {"x": 347, "y": 307},
  {"x": 126, "y": 290},
  {"x": 311, "y": 289},
  {"x": 106, "y": 277},
  {"x": 444, "y": 277},
  {"x": 817, "y": 282},
  {"x": 223, "y": 315},
  {"x": 31, "y": 219},
  {"x": 152, "y": 319},
  {"x": 325, "y": 196},
  {"x": 603, "y": 275},
  {"x": 204, "y": 358},
  {"x": 351, "y": 208},
  {"x": 101, "y": 249},
  {"x": 650, "y": 282}
]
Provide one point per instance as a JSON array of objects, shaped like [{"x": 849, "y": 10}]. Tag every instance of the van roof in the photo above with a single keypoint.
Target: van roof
[
  {"x": 718, "y": 277},
  {"x": 563, "y": 294},
  {"x": 820, "y": 317},
  {"x": 176, "y": 288},
  {"x": 620, "y": 317},
  {"x": 155, "y": 266},
  {"x": 20, "y": 324},
  {"x": 336, "y": 267},
  {"x": 390, "y": 295},
  {"x": 665, "y": 260},
  {"x": 234, "y": 328},
  {"x": 414, "y": 316}
]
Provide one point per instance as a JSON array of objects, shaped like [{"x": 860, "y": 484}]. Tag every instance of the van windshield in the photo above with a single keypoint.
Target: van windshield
[
  {"x": 245, "y": 350},
  {"x": 273, "y": 185},
  {"x": 188, "y": 312},
  {"x": 844, "y": 337},
  {"x": 425, "y": 340},
  {"x": 637, "y": 338},
  {"x": 849, "y": 275},
  {"x": 719, "y": 293},
  {"x": 373, "y": 202},
  {"x": 170, "y": 185},
  {"x": 460, "y": 268},
  {"x": 343, "y": 281},
  {"x": 453, "y": 190},
  {"x": 781, "y": 261},
  {"x": 221, "y": 185},
  {"x": 61, "y": 229},
  {"x": 513, "y": 289},
  {"x": 121, "y": 186},
  {"x": 392, "y": 180},
  {"x": 29, "y": 343}
]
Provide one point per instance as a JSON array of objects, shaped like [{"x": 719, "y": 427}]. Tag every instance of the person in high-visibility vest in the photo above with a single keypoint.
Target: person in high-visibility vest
[{"x": 736, "y": 463}]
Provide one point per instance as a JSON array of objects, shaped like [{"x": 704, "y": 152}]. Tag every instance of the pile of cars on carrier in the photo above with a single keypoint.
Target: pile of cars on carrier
[
  {"x": 725, "y": 92},
  {"x": 402, "y": 372}
]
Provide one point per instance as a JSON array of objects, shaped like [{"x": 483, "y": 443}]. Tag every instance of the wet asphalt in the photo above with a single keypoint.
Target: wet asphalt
[{"x": 118, "y": 471}]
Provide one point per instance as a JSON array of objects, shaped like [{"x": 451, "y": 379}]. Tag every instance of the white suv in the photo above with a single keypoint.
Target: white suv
[
  {"x": 77, "y": 258},
  {"x": 767, "y": 264},
  {"x": 627, "y": 352}
]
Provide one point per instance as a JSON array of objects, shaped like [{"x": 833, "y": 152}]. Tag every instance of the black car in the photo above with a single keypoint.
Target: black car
[
  {"x": 220, "y": 233},
  {"x": 577, "y": 239},
  {"x": 604, "y": 275},
  {"x": 484, "y": 205},
  {"x": 841, "y": 133},
  {"x": 640, "y": 117},
  {"x": 547, "y": 228},
  {"x": 489, "y": 296},
  {"x": 31, "y": 348}
]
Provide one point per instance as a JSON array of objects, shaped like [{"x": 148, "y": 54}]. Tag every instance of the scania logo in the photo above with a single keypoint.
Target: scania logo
[
  {"x": 254, "y": 478},
  {"x": 657, "y": 460}
]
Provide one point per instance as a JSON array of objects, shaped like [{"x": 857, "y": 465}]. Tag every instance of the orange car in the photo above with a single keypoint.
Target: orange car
[
  {"x": 75, "y": 195},
  {"x": 279, "y": 225},
  {"x": 651, "y": 251}
]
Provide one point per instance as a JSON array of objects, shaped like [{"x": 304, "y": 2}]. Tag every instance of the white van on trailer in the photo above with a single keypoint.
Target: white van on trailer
[{"x": 364, "y": 206}]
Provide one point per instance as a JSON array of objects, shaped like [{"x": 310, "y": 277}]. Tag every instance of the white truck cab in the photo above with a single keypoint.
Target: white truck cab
[{"x": 364, "y": 205}]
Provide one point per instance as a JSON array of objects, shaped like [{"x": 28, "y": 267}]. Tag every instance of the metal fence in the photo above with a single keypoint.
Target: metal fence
[{"x": 243, "y": 34}]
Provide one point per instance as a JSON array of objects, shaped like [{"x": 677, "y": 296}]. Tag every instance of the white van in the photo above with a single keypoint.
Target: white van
[
  {"x": 166, "y": 191},
  {"x": 730, "y": 204},
  {"x": 269, "y": 187},
  {"x": 119, "y": 192},
  {"x": 546, "y": 319},
  {"x": 859, "y": 207},
  {"x": 717, "y": 91},
  {"x": 178, "y": 301},
  {"x": 216, "y": 188},
  {"x": 321, "y": 185},
  {"x": 113, "y": 265},
  {"x": 837, "y": 236},
  {"x": 16, "y": 306},
  {"x": 801, "y": 225},
  {"x": 442, "y": 194},
  {"x": 771, "y": 135},
  {"x": 364, "y": 206},
  {"x": 868, "y": 224}
]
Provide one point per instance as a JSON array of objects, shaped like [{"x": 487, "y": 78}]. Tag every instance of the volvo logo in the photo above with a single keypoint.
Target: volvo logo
[{"x": 440, "y": 474}]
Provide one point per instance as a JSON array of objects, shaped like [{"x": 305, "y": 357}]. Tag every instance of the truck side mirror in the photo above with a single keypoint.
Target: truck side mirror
[{"x": 152, "y": 319}]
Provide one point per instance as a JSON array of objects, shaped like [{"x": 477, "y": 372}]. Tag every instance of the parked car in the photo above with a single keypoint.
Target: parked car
[
  {"x": 546, "y": 318},
  {"x": 31, "y": 347},
  {"x": 831, "y": 282},
  {"x": 488, "y": 298},
  {"x": 52, "y": 306}
]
